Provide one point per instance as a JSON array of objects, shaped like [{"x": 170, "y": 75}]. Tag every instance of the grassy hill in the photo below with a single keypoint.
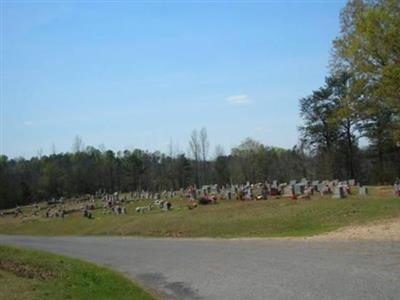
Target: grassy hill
[
  {"x": 27, "y": 274},
  {"x": 229, "y": 218}
]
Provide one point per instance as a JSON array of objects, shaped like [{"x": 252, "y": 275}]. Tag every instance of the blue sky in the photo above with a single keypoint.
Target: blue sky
[{"x": 136, "y": 74}]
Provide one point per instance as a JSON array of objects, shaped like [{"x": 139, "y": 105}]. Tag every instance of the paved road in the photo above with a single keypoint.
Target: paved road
[{"x": 242, "y": 269}]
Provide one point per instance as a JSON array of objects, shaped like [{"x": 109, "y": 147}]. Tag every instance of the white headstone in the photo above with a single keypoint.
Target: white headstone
[
  {"x": 363, "y": 191},
  {"x": 339, "y": 192}
]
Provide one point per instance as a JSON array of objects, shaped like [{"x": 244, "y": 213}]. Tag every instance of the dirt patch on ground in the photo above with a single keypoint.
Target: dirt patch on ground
[
  {"x": 388, "y": 230},
  {"x": 25, "y": 270},
  {"x": 385, "y": 191}
]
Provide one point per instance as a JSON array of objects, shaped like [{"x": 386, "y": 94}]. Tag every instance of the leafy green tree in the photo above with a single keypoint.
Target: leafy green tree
[
  {"x": 346, "y": 114},
  {"x": 369, "y": 47},
  {"x": 185, "y": 171},
  {"x": 221, "y": 166},
  {"x": 320, "y": 130},
  {"x": 247, "y": 156},
  {"x": 5, "y": 188},
  {"x": 133, "y": 168}
]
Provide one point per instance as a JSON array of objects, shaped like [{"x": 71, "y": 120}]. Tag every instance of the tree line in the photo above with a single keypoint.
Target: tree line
[
  {"x": 358, "y": 102},
  {"x": 87, "y": 170}
]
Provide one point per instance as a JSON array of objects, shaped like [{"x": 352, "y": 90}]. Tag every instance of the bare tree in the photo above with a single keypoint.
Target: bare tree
[
  {"x": 171, "y": 151},
  {"x": 39, "y": 153},
  {"x": 204, "y": 146},
  {"x": 195, "y": 150},
  {"x": 219, "y": 151},
  {"x": 77, "y": 145},
  {"x": 53, "y": 149}
]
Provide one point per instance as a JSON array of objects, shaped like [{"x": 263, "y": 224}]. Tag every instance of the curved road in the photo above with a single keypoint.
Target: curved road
[{"x": 241, "y": 269}]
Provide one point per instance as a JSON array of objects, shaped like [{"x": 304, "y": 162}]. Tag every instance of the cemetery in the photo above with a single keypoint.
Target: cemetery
[
  {"x": 205, "y": 149},
  {"x": 300, "y": 207}
]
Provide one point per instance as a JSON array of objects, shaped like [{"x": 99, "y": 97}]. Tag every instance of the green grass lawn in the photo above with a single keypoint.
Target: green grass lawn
[
  {"x": 268, "y": 218},
  {"x": 28, "y": 274}
]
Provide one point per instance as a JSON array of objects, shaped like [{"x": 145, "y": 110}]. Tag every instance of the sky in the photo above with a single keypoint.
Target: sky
[{"x": 128, "y": 74}]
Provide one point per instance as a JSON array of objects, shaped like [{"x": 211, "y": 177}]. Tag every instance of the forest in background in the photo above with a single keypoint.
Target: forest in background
[{"x": 359, "y": 100}]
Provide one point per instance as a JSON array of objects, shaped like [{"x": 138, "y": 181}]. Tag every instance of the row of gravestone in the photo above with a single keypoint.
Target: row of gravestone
[
  {"x": 230, "y": 191},
  {"x": 338, "y": 189}
]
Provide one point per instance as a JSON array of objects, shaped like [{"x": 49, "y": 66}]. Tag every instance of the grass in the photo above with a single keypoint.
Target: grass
[
  {"x": 270, "y": 218},
  {"x": 28, "y": 274}
]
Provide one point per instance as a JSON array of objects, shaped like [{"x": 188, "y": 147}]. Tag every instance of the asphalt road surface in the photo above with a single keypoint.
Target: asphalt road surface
[{"x": 241, "y": 269}]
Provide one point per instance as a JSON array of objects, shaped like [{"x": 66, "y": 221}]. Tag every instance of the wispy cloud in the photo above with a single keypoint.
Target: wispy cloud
[
  {"x": 238, "y": 99},
  {"x": 28, "y": 123}
]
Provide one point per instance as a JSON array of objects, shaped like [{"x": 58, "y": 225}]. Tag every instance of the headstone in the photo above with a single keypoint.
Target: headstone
[
  {"x": 258, "y": 190},
  {"x": 282, "y": 188},
  {"x": 352, "y": 182},
  {"x": 363, "y": 191},
  {"x": 308, "y": 192},
  {"x": 264, "y": 192},
  {"x": 299, "y": 188},
  {"x": 339, "y": 192},
  {"x": 249, "y": 194},
  {"x": 287, "y": 191}
]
